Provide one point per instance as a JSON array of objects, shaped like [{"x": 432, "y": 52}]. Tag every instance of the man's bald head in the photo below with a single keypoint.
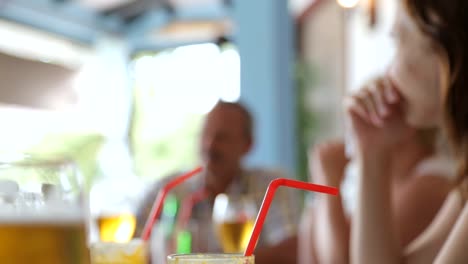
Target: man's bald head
[
  {"x": 226, "y": 138},
  {"x": 245, "y": 115}
]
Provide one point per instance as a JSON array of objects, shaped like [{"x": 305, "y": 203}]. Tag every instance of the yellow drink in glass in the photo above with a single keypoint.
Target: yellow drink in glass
[
  {"x": 210, "y": 259},
  {"x": 42, "y": 211},
  {"x": 43, "y": 242},
  {"x": 234, "y": 236},
  {"x": 116, "y": 227}
]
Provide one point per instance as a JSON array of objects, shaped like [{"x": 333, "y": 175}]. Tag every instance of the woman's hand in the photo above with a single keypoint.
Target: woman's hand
[
  {"x": 376, "y": 116},
  {"x": 327, "y": 162}
]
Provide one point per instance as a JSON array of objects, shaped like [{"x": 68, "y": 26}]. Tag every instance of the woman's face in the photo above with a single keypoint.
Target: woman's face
[{"x": 416, "y": 72}]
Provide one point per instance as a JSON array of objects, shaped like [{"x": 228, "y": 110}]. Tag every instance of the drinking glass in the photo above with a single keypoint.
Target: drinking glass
[
  {"x": 233, "y": 219},
  {"x": 113, "y": 209},
  {"x": 113, "y": 222},
  {"x": 42, "y": 211}
]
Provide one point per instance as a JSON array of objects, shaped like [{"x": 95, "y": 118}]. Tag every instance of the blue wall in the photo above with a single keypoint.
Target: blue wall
[{"x": 265, "y": 38}]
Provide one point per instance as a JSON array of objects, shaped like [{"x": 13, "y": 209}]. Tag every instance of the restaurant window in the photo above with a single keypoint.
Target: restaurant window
[{"x": 174, "y": 89}]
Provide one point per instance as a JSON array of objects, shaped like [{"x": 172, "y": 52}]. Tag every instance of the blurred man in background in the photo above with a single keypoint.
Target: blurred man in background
[{"x": 226, "y": 138}]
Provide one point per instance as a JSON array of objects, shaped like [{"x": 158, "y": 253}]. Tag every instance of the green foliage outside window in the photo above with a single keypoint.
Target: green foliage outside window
[
  {"x": 307, "y": 120},
  {"x": 83, "y": 148}
]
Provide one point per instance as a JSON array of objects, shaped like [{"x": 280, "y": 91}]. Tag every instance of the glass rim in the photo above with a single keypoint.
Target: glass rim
[
  {"x": 66, "y": 173},
  {"x": 133, "y": 241},
  {"x": 209, "y": 256}
]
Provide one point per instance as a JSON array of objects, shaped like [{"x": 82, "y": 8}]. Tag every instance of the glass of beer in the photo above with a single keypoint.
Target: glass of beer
[
  {"x": 210, "y": 259},
  {"x": 113, "y": 205},
  {"x": 116, "y": 226},
  {"x": 113, "y": 222},
  {"x": 42, "y": 211},
  {"x": 233, "y": 219}
]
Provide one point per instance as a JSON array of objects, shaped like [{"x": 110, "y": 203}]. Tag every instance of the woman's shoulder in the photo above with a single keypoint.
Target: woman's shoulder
[
  {"x": 437, "y": 166},
  {"x": 432, "y": 180}
]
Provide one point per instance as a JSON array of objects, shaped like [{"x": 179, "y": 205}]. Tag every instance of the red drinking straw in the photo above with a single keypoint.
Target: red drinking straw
[
  {"x": 158, "y": 203},
  {"x": 270, "y": 193},
  {"x": 187, "y": 205}
]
